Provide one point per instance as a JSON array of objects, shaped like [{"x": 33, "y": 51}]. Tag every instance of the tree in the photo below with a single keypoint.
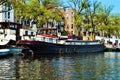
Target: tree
[
  {"x": 104, "y": 19},
  {"x": 20, "y": 9},
  {"x": 7, "y": 3},
  {"x": 78, "y": 21},
  {"x": 91, "y": 11},
  {"x": 39, "y": 11},
  {"x": 95, "y": 17},
  {"x": 79, "y": 16}
]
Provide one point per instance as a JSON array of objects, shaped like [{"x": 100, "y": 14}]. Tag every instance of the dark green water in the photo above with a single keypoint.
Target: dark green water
[{"x": 87, "y": 66}]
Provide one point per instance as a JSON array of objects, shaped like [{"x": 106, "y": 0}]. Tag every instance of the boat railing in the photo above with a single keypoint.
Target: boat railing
[{"x": 81, "y": 42}]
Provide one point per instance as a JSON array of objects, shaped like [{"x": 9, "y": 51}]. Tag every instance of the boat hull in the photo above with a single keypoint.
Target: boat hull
[
  {"x": 9, "y": 43},
  {"x": 45, "y": 47},
  {"x": 4, "y": 52}
]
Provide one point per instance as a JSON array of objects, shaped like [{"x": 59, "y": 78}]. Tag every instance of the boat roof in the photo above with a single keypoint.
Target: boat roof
[{"x": 49, "y": 35}]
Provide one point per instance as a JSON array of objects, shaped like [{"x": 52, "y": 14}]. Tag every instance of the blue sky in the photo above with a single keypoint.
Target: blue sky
[{"x": 114, "y": 3}]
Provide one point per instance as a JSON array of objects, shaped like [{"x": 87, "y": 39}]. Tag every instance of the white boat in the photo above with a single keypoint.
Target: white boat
[
  {"x": 4, "y": 52},
  {"x": 9, "y": 31},
  {"x": 110, "y": 43},
  {"x": 106, "y": 39}
]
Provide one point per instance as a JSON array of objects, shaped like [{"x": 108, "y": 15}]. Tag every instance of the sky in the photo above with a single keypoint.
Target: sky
[{"x": 114, "y": 3}]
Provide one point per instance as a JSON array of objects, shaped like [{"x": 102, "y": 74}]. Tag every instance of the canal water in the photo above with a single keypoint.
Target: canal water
[{"x": 82, "y": 66}]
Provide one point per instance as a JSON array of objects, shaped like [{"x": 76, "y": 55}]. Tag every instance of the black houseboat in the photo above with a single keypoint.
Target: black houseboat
[{"x": 48, "y": 42}]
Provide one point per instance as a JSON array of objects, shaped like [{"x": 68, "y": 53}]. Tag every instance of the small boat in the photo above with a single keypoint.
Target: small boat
[
  {"x": 111, "y": 44},
  {"x": 49, "y": 42},
  {"x": 4, "y": 52},
  {"x": 14, "y": 50}
]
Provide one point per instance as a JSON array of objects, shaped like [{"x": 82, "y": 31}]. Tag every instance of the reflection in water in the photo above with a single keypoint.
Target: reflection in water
[
  {"x": 87, "y": 66},
  {"x": 7, "y": 68}
]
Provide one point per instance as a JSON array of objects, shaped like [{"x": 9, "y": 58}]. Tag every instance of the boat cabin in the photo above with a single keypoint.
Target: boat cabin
[
  {"x": 47, "y": 35},
  {"x": 9, "y": 31},
  {"x": 27, "y": 34}
]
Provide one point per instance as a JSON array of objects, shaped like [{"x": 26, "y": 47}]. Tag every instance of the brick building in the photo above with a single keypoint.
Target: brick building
[{"x": 69, "y": 17}]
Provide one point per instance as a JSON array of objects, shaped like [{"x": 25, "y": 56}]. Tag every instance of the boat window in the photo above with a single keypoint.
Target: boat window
[
  {"x": 83, "y": 43},
  {"x": 94, "y": 43},
  {"x": 50, "y": 40},
  {"x": 72, "y": 43},
  {"x": 67, "y": 43},
  {"x": 116, "y": 41},
  {"x": 31, "y": 33},
  {"x": 54, "y": 40},
  {"x": 77, "y": 43},
  {"x": 15, "y": 26},
  {"x": 42, "y": 38},
  {"x": 86, "y": 43},
  {"x": 46, "y": 39},
  {"x": 26, "y": 32}
]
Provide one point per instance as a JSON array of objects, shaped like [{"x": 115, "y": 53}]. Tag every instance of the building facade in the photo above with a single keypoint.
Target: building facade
[
  {"x": 69, "y": 17},
  {"x": 6, "y": 14}
]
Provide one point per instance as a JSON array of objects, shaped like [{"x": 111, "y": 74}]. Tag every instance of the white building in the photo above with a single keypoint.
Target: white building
[{"x": 7, "y": 15}]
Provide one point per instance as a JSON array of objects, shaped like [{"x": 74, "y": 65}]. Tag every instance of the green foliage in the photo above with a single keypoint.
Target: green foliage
[
  {"x": 78, "y": 19},
  {"x": 41, "y": 11},
  {"x": 64, "y": 33},
  {"x": 96, "y": 16}
]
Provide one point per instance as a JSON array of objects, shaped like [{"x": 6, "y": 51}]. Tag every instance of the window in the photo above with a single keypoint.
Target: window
[
  {"x": 5, "y": 15},
  {"x": 72, "y": 13},
  {"x": 26, "y": 32},
  {"x": 31, "y": 33},
  {"x": 9, "y": 8},
  {"x": 72, "y": 26},
  {"x": 67, "y": 26},
  {"x": 8, "y": 15}
]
